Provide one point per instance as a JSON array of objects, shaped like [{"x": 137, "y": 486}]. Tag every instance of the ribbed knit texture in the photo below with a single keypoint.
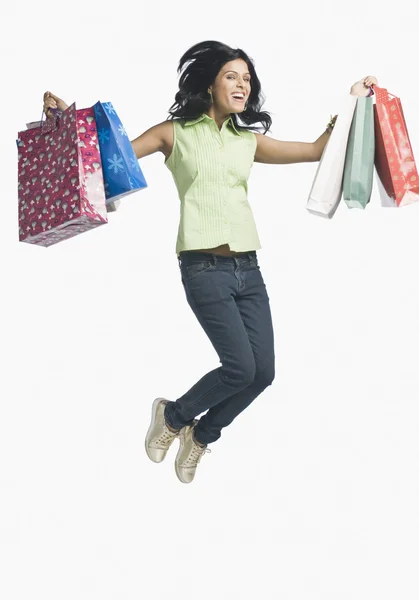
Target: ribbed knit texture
[{"x": 210, "y": 168}]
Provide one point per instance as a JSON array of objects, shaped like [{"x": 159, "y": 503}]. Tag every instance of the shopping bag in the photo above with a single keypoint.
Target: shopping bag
[
  {"x": 359, "y": 162},
  {"x": 326, "y": 191},
  {"x": 394, "y": 161},
  {"x": 60, "y": 181},
  {"x": 111, "y": 205},
  {"x": 121, "y": 171}
]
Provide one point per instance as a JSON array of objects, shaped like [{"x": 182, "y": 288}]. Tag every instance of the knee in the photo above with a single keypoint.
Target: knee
[
  {"x": 248, "y": 375},
  {"x": 265, "y": 375},
  {"x": 241, "y": 375}
]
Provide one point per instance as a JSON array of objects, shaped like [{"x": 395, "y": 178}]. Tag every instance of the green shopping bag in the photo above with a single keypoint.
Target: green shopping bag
[{"x": 359, "y": 160}]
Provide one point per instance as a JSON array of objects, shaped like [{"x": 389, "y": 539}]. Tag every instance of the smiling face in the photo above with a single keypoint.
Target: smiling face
[{"x": 231, "y": 88}]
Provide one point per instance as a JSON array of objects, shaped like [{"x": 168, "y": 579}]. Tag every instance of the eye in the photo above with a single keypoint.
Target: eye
[{"x": 233, "y": 76}]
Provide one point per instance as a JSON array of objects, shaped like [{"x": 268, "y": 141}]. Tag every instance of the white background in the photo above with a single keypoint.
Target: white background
[{"x": 312, "y": 493}]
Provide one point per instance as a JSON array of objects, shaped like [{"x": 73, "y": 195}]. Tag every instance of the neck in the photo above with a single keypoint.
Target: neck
[{"x": 217, "y": 116}]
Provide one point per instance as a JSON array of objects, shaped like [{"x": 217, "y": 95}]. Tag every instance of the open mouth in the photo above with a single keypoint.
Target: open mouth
[{"x": 238, "y": 98}]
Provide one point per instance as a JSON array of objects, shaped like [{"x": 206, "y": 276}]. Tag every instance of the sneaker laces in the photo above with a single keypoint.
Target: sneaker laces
[
  {"x": 196, "y": 454},
  {"x": 166, "y": 437}
]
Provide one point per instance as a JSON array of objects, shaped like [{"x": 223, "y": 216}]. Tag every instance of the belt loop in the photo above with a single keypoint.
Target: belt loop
[
  {"x": 214, "y": 260},
  {"x": 179, "y": 260}
]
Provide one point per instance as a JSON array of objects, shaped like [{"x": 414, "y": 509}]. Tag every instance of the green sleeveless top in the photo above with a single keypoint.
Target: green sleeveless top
[{"x": 210, "y": 168}]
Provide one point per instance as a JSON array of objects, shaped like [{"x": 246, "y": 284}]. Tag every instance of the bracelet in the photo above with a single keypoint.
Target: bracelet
[{"x": 331, "y": 124}]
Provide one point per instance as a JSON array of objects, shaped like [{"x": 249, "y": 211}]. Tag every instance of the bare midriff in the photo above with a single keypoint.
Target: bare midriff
[{"x": 223, "y": 250}]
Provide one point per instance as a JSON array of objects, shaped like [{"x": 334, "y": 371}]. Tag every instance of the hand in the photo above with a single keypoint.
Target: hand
[
  {"x": 331, "y": 123},
  {"x": 361, "y": 88},
  {"x": 51, "y": 101}
]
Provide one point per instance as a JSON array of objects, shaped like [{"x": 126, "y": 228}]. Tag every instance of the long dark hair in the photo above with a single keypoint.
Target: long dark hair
[{"x": 205, "y": 62}]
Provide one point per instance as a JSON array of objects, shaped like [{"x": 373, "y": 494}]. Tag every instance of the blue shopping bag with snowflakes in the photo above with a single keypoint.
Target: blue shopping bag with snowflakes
[{"x": 121, "y": 172}]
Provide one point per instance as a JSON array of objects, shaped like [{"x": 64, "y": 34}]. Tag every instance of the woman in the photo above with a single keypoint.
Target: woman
[{"x": 210, "y": 155}]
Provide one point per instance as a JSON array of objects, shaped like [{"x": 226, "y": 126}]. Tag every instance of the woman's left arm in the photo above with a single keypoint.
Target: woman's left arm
[{"x": 276, "y": 152}]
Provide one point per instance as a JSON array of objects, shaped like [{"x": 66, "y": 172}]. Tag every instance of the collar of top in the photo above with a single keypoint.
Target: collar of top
[{"x": 208, "y": 118}]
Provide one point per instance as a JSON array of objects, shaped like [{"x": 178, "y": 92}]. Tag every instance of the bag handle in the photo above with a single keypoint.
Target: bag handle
[
  {"x": 382, "y": 93},
  {"x": 50, "y": 124}
]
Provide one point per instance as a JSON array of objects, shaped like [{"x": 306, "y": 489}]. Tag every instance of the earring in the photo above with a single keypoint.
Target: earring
[{"x": 212, "y": 99}]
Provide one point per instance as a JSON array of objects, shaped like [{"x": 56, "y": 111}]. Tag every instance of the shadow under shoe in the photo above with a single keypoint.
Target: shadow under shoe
[
  {"x": 159, "y": 437},
  {"x": 189, "y": 455}
]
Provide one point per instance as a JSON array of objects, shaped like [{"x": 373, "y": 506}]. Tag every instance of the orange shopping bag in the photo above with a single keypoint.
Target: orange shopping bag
[{"x": 394, "y": 161}]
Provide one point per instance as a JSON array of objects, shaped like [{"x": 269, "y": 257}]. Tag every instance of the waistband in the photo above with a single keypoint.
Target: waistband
[{"x": 186, "y": 255}]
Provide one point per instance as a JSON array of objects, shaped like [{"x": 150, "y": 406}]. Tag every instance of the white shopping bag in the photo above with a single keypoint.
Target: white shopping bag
[{"x": 326, "y": 191}]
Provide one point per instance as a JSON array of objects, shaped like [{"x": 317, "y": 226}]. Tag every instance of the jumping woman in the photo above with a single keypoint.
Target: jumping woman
[{"x": 210, "y": 153}]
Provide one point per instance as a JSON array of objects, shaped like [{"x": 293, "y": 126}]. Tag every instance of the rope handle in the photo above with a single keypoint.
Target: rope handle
[{"x": 52, "y": 123}]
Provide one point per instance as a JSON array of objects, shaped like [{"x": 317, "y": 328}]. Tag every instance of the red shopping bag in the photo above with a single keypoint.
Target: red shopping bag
[
  {"x": 394, "y": 161},
  {"x": 60, "y": 180}
]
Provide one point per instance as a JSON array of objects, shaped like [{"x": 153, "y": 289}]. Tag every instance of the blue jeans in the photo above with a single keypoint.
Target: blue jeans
[{"x": 229, "y": 299}]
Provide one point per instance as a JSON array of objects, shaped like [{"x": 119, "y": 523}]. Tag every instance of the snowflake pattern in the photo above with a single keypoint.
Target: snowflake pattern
[
  {"x": 122, "y": 172},
  {"x": 115, "y": 163},
  {"x": 109, "y": 108},
  {"x": 134, "y": 163},
  {"x": 103, "y": 135}
]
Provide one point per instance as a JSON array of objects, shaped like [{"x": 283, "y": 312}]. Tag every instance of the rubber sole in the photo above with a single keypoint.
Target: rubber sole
[
  {"x": 181, "y": 444},
  {"x": 153, "y": 418}
]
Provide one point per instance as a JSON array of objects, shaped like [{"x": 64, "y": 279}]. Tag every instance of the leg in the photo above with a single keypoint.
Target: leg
[
  {"x": 254, "y": 308},
  {"x": 211, "y": 288}
]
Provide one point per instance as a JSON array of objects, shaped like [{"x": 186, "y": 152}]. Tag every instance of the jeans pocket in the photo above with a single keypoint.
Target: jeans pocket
[
  {"x": 254, "y": 263},
  {"x": 194, "y": 269}
]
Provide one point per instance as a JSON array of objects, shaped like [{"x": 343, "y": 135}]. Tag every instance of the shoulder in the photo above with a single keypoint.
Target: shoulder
[
  {"x": 169, "y": 126},
  {"x": 164, "y": 128},
  {"x": 251, "y": 138},
  {"x": 166, "y": 132},
  {"x": 263, "y": 142},
  {"x": 247, "y": 133}
]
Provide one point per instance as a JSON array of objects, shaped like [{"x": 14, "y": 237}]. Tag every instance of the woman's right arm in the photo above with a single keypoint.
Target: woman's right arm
[{"x": 158, "y": 138}]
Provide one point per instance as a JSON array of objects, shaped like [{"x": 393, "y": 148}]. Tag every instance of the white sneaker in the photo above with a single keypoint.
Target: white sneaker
[
  {"x": 159, "y": 437},
  {"x": 188, "y": 456}
]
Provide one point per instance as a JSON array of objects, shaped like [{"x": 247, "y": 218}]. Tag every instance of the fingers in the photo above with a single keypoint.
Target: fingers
[
  {"x": 47, "y": 111},
  {"x": 51, "y": 95},
  {"x": 50, "y": 102},
  {"x": 369, "y": 81}
]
